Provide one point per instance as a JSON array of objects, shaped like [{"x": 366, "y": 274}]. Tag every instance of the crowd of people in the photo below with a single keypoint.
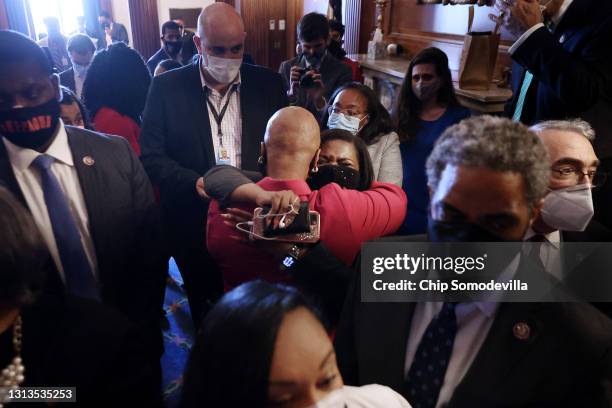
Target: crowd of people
[{"x": 110, "y": 166}]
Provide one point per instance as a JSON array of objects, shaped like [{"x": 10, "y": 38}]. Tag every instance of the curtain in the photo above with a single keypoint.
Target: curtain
[
  {"x": 4, "y": 23},
  {"x": 19, "y": 18},
  {"x": 336, "y": 6},
  {"x": 352, "y": 20},
  {"x": 145, "y": 26}
]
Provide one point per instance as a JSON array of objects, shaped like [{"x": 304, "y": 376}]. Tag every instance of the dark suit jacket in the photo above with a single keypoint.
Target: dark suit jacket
[
  {"x": 158, "y": 57},
  {"x": 572, "y": 71},
  {"x": 177, "y": 146},
  {"x": 567, "y": 362},
  {"x": 123, "y": 222},
  {"x": 67, "y": 79},
  {"x": 118, "y": 33},
  {"x": 334, "y": 74},
  {"x": 83, "y": 344}
]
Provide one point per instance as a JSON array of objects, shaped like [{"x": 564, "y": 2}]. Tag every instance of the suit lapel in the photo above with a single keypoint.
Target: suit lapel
[
  {"x": 197, "y": 97},
  {"x": 88, "y": 166},
  {"x": 7, "y": 177}
]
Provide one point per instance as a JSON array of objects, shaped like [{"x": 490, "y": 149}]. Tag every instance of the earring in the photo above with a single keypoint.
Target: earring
[
  {"x": 315, "y": 169},
  {"x": 260, "y": 160}
]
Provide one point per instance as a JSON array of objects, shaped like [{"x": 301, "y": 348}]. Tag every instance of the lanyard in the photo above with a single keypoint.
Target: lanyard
[{"x": 220, "y": 115}]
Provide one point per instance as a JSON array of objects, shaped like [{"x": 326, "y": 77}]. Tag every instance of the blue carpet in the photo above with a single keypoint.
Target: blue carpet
[{"x": 178, "y": 337}]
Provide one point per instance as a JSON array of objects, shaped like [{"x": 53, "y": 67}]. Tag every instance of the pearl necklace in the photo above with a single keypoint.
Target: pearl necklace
[{"x": 12, "y": 375}]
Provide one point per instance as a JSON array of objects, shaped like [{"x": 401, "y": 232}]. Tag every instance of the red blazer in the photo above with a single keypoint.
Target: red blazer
[
  {"x": 348, "y": 218},
  {"x": 112, "y": 122}
]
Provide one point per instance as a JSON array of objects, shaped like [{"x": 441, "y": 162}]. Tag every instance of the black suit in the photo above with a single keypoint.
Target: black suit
[
  {"x": 67, "y": 79},
  {"x": 118, "y": 34},
  {"x": 177, "y": 149},
  {"x": 123, "y": 223},
  {"x": 334, "y": 74},
  {"x": 158, "y": 57},
  {"x": 572, "y": 70},
  {"x": 78, "y": 343},
  {"x": 566, "y": 362}
]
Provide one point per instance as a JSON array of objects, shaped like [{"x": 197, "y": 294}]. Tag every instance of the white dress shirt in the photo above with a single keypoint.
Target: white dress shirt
[
  {"x": 556, "y": 19},
  {"x": 29, "y": 181},
  {"x": 474, "y": 321},
  {"x": 231, "y": 125},
  {"x": 78, "y": 84},
  {"x": 550, "y": 253}
]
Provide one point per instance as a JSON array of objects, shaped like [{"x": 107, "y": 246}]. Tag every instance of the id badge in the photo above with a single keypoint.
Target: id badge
[{"x": 223, "y": 156}]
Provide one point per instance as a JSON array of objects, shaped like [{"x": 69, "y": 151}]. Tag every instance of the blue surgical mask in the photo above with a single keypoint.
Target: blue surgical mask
[{"x": 345, "y": 122}]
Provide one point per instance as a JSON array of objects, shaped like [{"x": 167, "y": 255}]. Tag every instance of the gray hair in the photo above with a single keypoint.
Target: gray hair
[
  {"x": 577, "y": 126},
  {"x": 493, "y": 143}
]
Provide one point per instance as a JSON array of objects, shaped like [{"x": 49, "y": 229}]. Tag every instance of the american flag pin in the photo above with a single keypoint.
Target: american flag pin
[{"x": 88, "y": 160}]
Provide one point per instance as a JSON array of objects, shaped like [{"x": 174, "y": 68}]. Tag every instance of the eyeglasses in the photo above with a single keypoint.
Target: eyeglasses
[
  {"x": 349, "y": 112},
  {"x": 572, "y": 174}
]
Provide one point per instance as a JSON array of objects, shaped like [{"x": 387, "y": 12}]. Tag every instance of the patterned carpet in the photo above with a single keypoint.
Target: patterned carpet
[{"x": 178, "y": 337}]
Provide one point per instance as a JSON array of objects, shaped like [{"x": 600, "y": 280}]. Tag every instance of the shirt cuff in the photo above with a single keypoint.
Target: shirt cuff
[{"x": 524, "y": 37}]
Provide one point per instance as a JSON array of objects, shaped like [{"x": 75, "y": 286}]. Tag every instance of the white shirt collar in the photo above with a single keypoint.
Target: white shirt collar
[
  {"x": 59, "y": 149},
  {"x": 203, "y": 80},
  {"x": 554, "y": 238}
]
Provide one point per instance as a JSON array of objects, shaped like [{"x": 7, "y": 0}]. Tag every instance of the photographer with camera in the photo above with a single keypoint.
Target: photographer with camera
[{"x": 312, "y": 76}]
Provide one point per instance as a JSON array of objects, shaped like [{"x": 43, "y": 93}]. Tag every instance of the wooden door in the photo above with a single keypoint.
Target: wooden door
[{"x": 270, "y": 26}]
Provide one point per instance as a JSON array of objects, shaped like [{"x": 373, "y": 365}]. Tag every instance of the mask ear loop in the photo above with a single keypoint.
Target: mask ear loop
[{"x": 292, "y": 210}]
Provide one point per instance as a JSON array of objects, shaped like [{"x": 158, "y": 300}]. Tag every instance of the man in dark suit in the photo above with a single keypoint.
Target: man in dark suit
[
  {"x": 110, "y": 32},
  {"x": 171, "y": 38},
  {"x": 490, "y": 354},
  {"x": 563, "y": 69},
  {"x": 108, "y": 366},
  {"x": 211, "y": 112},
  {"x": 325, "y": 71},
  {"x": 88, "y": 194},
  {"x": 81, "y": 50}
]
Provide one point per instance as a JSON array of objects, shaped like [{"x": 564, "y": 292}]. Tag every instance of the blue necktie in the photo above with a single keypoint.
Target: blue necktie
[
  {"x": 77, "y": 270},
  {"x": 520, "y": 103},
  {"x": 428, "y": 368}
]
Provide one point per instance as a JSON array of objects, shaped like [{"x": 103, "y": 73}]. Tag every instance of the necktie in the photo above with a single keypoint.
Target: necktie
[
  {"x": 77, "y": 270},
  {"x": 428, "y": 368},
  {"x": 520, "y": 103}
]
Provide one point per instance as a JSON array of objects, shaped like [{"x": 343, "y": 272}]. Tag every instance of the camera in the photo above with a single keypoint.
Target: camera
[{"x": 306, "y": 81}]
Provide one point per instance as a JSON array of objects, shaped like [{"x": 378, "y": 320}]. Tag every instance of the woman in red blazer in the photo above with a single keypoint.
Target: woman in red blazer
[{"x": 115, "y": 92}]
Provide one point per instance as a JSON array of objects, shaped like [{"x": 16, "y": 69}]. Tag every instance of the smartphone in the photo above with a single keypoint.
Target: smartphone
[{"x": 314, "y": 220}]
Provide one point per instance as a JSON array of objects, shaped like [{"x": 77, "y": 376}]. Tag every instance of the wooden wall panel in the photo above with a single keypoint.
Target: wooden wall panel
[{"x": 254, "y": 14}]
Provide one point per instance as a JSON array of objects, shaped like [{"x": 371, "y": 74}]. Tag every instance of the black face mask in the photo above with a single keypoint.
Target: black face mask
[
  {"x": 314, "y": 60},
  {"x": 335, "y": 49},
  {"x": 31, "y": 128},
  {"x": 104, "y": 25},
  {"x": 344, "y": 176},
  {"x": 173, "y": 47}
]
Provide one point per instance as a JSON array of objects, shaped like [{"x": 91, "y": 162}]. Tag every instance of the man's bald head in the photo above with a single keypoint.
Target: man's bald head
[
  {"x": 220, "y": 32},
  {"x": 292, "y": 141}
]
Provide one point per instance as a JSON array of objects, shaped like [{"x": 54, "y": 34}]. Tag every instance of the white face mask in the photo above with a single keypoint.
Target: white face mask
[
  {"x": 569, "y": 209},
  {"x": 345, "y": 122},
  {"x": 223, "y": 70}
]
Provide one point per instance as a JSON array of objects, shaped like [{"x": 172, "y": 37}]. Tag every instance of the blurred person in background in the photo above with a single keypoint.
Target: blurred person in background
[
  {"x": 427, "y": 106},
  {"x": 72, "y": 112},
  {"x": 335, "y": 47},
  {"x": 314, "y": 74},
  {"x": 115, "y": 92},
  {"x": 355, "y": 108},
  {"x": 110, "y": 32},
  {"x": 171, "y": 48},
  {"x": 55, "y": 44},
  {"x": 81, "y": 49}
]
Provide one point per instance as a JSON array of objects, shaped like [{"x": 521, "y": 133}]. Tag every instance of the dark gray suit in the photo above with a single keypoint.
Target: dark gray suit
[
  {"x": 123, "y": 223},
  {"x": 67, "y": 79},
  {"x": 334, "y": 74}
]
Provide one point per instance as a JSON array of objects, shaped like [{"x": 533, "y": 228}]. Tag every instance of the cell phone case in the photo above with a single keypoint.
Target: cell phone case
[{"x": 305, "y": 237}]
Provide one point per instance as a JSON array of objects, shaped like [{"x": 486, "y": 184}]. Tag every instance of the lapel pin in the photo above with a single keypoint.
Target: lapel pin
[
  {"x": 521, "y": 331},
  {"x": 88, "y": 160}
]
